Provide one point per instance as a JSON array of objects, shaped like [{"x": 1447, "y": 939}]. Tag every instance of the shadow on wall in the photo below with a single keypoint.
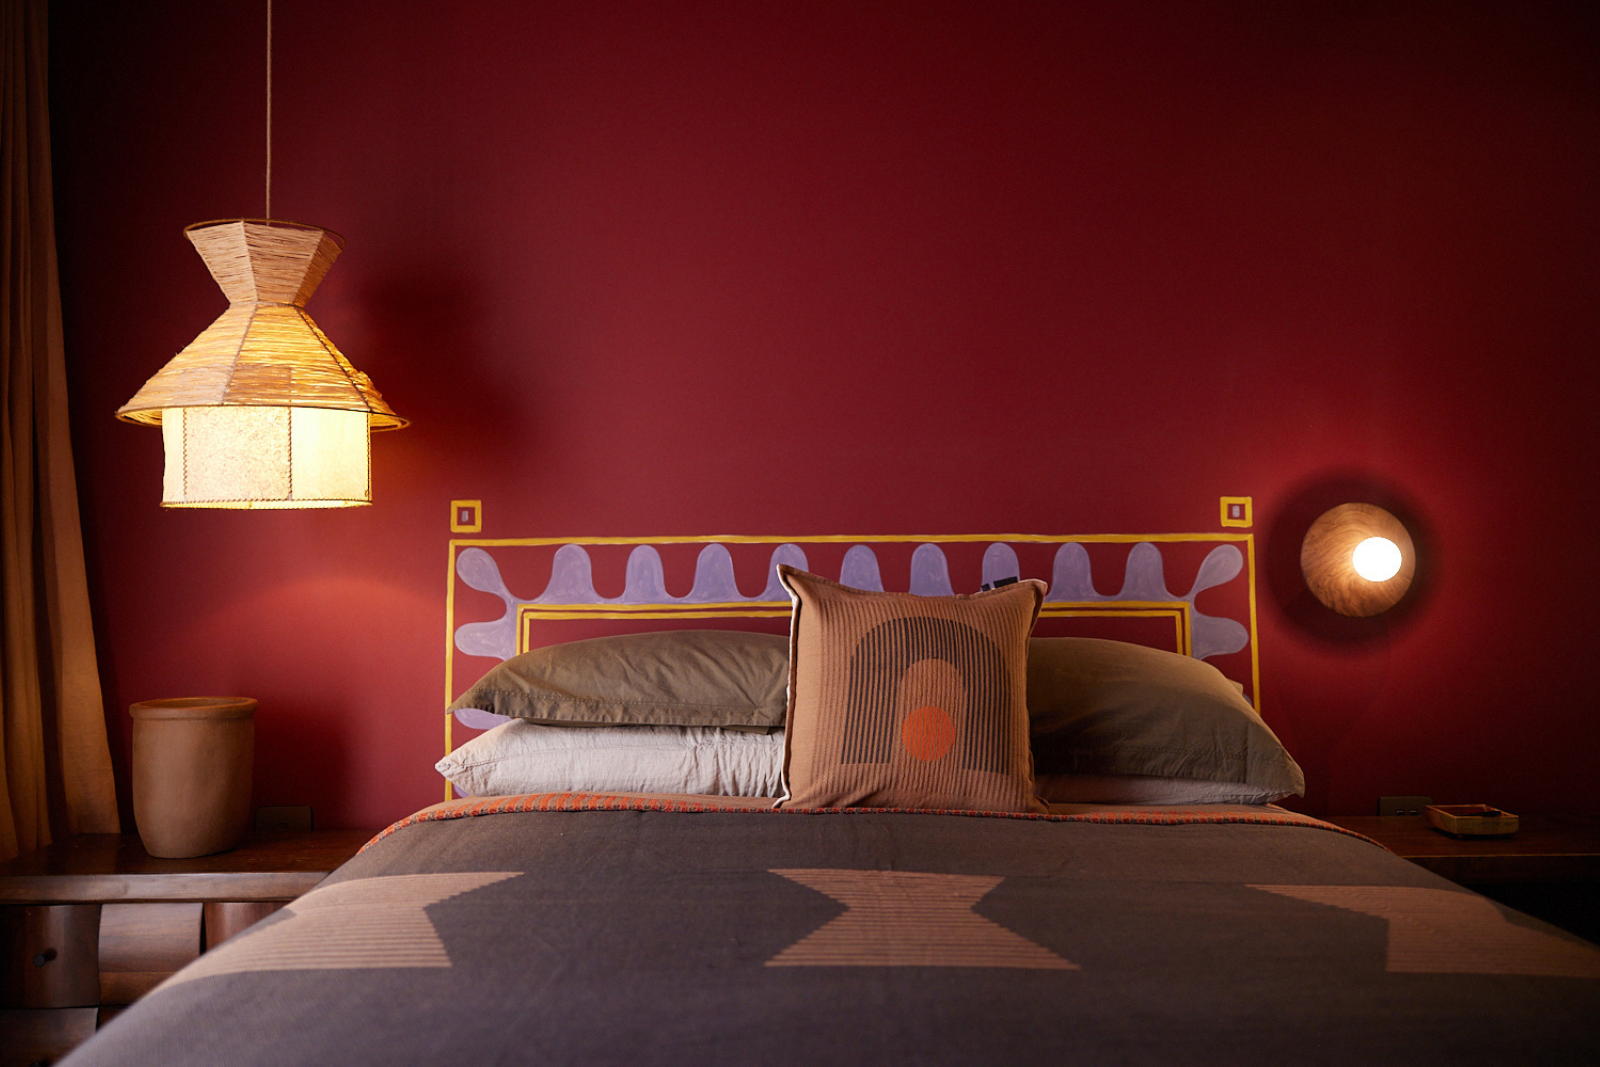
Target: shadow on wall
[
  {"x": 1287, "y": 585},
  {"x": 429, "y": 326},
  {"x": 307, "y": 748}
]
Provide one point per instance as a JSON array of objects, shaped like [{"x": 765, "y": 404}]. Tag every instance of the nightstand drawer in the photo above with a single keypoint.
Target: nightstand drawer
[
  {"x": 50, "y": 955},
  {"x": 42, "y": 1035},
  {"x": 141, "y": 944},
  {"x": 107, "y": 923},
  {"x": 226, "y": 918}
]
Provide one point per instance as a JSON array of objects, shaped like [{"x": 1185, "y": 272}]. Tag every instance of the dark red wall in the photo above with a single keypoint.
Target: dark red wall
[{"x": 844, "y": 267}]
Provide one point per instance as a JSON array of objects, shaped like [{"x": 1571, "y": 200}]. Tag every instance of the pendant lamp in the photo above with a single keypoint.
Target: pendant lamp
[{"x": 261, "y": 410}]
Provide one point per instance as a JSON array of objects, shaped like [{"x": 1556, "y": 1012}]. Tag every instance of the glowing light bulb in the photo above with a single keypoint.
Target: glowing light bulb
[{"x": 1377, "y": 559}]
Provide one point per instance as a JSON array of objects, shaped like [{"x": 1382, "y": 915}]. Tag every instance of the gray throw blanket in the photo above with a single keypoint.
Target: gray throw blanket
[{"x": 640, "y": 937}]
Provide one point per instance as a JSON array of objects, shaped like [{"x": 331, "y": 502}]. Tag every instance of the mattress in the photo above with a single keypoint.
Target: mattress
[{"x": 643, "y": 930}]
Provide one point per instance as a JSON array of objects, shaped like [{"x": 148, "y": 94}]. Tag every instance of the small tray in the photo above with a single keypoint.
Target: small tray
[{"x": 1471, "y": 820}]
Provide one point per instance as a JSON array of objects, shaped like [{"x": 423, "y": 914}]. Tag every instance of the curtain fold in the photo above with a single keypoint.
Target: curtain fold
[{"x": 55, "y": 774}]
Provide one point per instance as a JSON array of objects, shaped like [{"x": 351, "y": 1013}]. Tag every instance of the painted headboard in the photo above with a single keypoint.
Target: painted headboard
[{"x": 1191, "y": 593}]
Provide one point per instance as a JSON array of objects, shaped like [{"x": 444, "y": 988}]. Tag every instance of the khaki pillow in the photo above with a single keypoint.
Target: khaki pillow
[
  {"x": 1108, "y": 707},
  {"x": 905, "y": 701},
  {"x": 723, "y": 678}
]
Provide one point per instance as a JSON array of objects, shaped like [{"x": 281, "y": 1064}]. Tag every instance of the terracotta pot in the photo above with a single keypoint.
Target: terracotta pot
[{"x": 191, "y": 773}]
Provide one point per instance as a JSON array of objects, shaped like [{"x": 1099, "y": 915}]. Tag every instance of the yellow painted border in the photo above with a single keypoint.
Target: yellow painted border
[
  {"x": 1060, "y": 608},
  {"x": 1177, "y": 610},
  {"x": 529, "y": 613},
  {"x": 886, "y": 539},
  {"x": 1245, "y": 519},
  {"x": 475, "y": 525}
]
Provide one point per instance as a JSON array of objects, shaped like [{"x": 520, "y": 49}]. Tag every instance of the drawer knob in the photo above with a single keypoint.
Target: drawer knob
[{"x": 44, "y": 957}]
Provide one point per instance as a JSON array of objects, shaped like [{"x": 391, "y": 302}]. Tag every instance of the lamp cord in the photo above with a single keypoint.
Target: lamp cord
[{"x": 269, "y": 109}]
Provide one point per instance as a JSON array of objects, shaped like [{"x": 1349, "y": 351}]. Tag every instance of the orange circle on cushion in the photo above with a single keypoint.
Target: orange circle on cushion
[{"x": 928, "y": 732}]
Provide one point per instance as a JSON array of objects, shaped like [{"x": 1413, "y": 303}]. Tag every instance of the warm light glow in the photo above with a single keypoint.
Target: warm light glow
[
  {"x": 265, "y": 457},
  {"x": 1377, "y": 559}
]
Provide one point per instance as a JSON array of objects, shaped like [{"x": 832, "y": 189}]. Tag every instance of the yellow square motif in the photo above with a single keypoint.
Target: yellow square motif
[
  {"x": 466, "y": 516},
  {"x": 1236, "y": 511}
]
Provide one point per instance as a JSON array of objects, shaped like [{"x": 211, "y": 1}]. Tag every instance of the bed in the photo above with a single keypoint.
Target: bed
[{"x": 1096, "y": 876}]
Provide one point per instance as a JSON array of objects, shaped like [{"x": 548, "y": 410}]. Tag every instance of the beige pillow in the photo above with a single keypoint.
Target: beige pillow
[
  {"x": 1144, "y": 789},
  {"x": 1112, "y": 708},
  {"x": 723, "y": 678},
  {"x": 905, "y": 701}
]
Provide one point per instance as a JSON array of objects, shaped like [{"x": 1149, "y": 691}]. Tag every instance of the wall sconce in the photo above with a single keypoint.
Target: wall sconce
[
  {"x": 261, "y": 410},
  {"x": 1358, "y": 559}
]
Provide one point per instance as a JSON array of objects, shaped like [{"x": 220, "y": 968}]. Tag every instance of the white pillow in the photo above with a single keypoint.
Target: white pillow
[
  {"x": 524, "y": 757},
  {"x": 1147, "y": 789}
]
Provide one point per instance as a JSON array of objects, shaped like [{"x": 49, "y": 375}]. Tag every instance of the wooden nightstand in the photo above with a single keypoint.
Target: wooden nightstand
[
  {"x": 1549, "y": 868},
  {"x": 92, "y": 923}
]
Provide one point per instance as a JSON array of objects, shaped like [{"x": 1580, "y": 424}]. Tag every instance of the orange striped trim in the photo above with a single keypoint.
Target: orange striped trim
[{"x": 564, "y": 802}]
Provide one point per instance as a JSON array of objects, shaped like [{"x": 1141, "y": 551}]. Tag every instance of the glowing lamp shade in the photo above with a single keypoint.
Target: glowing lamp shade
[
  {"x": 261, "y": 410},
  {"x": 258, "y": 457},
  {"x": 1377, "y": 559},
  {"x": 1358, "y": 559}
]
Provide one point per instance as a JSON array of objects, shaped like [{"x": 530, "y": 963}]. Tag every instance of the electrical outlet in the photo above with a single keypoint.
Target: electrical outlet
[
  {"x": 288, "y": 817},
  {"x": 1402, "y": 805}
]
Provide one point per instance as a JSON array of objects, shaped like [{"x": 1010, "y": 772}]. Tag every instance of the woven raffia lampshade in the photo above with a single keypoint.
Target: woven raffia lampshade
[{"x": 261, "y": 410}]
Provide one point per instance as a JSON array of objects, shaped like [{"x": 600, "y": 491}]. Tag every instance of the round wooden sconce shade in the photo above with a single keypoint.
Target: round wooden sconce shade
[{"x": 1327, "y": 559}]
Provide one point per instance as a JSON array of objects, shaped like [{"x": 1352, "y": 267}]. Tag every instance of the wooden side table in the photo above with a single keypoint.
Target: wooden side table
[
  {"x": 1549, "y": 868},
  {"x": 92, "y": 923}
]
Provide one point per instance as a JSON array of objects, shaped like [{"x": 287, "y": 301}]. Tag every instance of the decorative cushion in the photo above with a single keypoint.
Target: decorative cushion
[
  {"x": 898, "y": 700},
  {"x": 524, "y": 757},
  {"x": 722, "y": 678},
  {"x": 1108, "y": 707}
]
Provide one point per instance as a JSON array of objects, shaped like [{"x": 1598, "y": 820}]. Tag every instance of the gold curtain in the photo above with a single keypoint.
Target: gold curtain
[{"x": 55, "y": 778}]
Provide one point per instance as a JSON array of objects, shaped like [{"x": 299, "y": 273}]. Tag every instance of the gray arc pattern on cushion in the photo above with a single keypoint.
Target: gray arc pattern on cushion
[{"x": 878, "y": 665}]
